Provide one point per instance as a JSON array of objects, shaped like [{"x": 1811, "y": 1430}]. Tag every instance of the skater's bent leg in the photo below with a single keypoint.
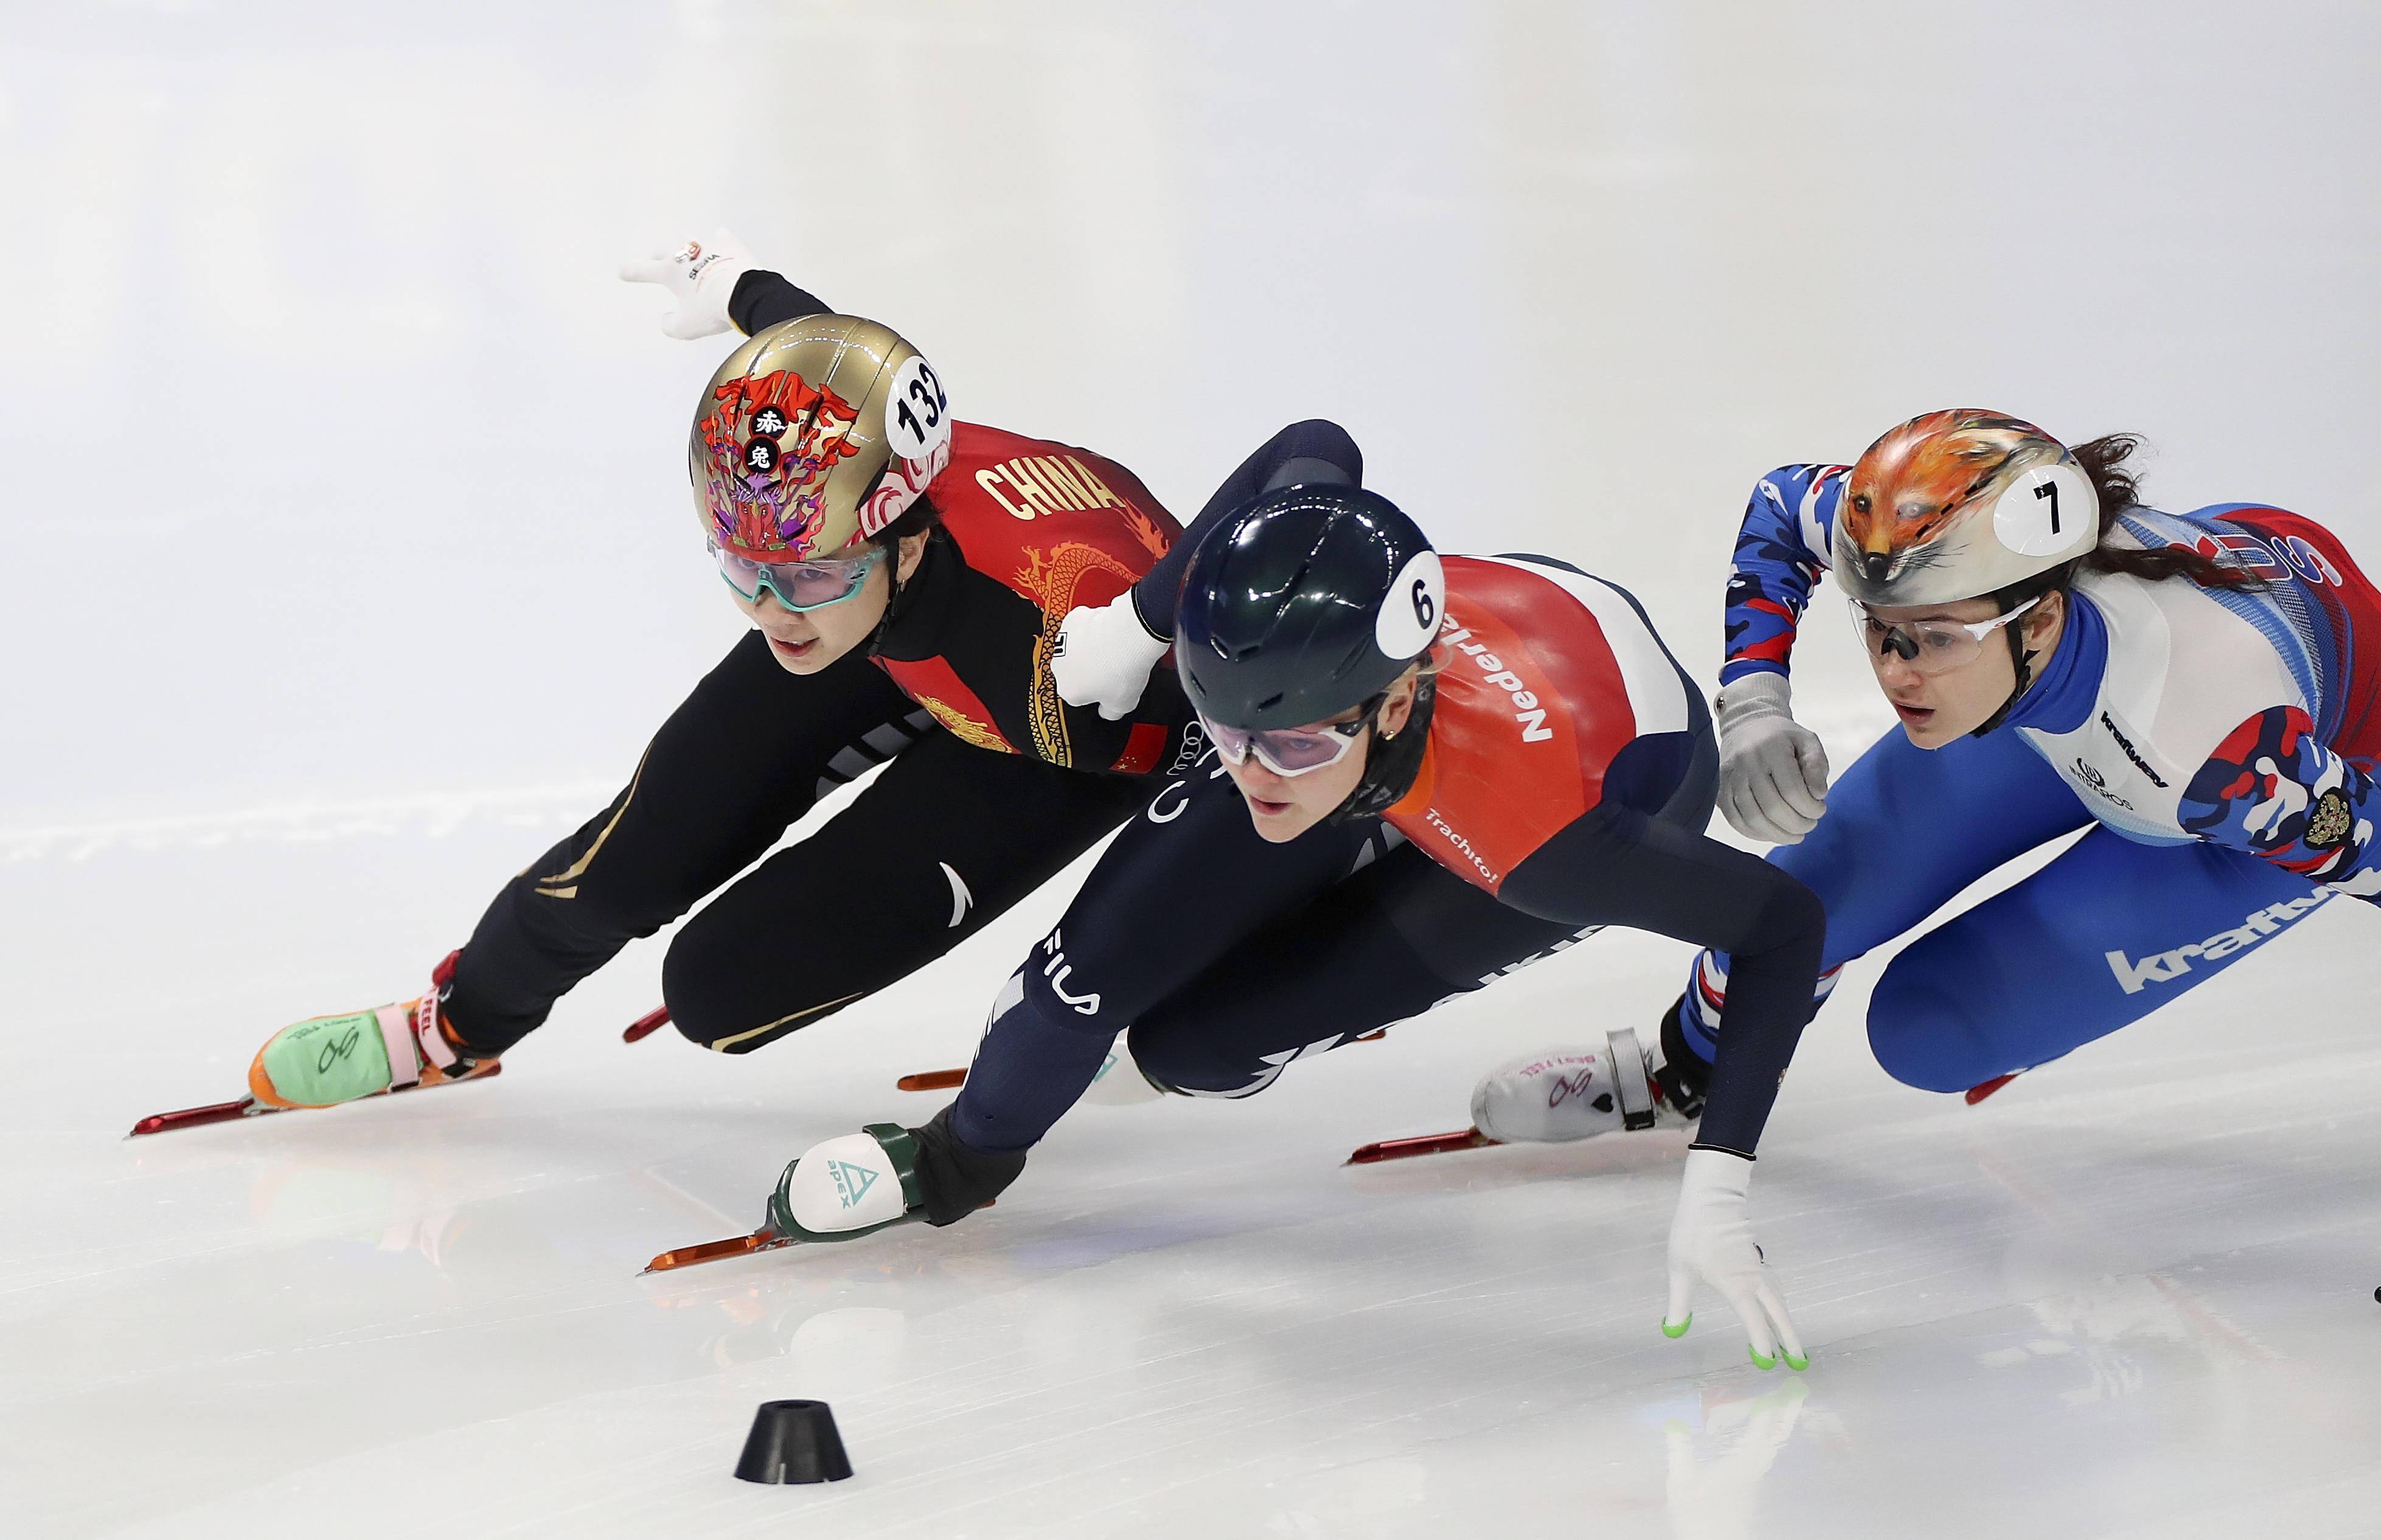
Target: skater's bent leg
[
  {"x": 2098, "y": 939},
  {"x": 746, "y": 754},
  {"x": 1180, "y": 887},
  {"x": 946, "y": 841},
  {"x": 1399, "y": 937},
  {"x": 1336, "y": 955},
  {"x": 1906, "y": 828}
]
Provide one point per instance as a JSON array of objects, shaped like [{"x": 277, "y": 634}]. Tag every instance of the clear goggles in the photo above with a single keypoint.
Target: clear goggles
[
  {"x": 1930, "y": 646},
  {"x": 1292, "y": 751},
  {"x": 798, "y": 585}
]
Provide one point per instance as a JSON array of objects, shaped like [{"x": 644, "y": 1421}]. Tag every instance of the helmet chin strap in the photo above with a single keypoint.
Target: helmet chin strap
[
  {"x": 897, "y": 587},
  {"x": 2019, "y": 655},
  {"x": 1391, "y": 763}
]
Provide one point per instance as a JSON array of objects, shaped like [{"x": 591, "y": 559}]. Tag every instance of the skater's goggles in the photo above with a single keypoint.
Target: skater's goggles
[
  {"x": 798, "y": 585},
  {"x": 1930, "y": 646},
  {"x": 1292, "y": 751}
]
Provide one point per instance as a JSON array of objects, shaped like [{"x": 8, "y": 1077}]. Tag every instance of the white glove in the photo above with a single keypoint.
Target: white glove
[
  {"x": 1773, "y": 771},
  {"x": 1711, "y": 1238},
  {"x": 701, "y": 276},
  {"x": 1104, "y": 657}
]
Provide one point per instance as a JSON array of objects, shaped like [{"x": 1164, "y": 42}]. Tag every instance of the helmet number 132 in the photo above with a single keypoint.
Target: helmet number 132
[{"x": 920, "y": 407}]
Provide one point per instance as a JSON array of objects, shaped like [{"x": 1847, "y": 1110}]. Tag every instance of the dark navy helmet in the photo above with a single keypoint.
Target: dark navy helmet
[{"x": 1307, "y": 601}]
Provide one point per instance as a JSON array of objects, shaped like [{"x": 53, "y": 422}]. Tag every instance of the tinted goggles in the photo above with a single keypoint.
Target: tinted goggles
[
  {"x": 797, "y": 585},
  {"x": 1292, "y": 751}
]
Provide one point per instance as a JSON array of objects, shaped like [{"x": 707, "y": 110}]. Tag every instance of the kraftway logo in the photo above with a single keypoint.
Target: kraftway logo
[
  {"x": 2127, "y": 744},
  {"x": 2166, "y": 967}
]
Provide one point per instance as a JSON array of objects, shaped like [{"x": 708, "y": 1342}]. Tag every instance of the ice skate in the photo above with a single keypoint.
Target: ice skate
[
  {"x": 1570, "y": 1093},
  {"x": 1564, "y": 1095},
  {"x": 329, "y": 1060},
  {"x": 856, "y": 1184},
  {"x": 325, "y": 1061}
]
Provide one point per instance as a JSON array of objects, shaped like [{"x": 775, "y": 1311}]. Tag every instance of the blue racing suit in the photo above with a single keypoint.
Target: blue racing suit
[{"x": 2218, "y": 744}]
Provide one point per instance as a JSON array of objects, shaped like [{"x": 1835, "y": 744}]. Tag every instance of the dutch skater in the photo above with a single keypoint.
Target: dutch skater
[
  {"x": 1421, "y": 774},
  {"x": 2196, "y": 691},
  {"x": 905, "y": 576}
]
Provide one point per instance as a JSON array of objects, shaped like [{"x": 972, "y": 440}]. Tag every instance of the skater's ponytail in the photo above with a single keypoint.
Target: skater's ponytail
[{"x": 2103, "y": 459}]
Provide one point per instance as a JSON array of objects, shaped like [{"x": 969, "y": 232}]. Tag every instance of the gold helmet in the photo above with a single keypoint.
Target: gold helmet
[
  {"x": 1959, "y": 504},
  {"x": 813, "y": 434}
]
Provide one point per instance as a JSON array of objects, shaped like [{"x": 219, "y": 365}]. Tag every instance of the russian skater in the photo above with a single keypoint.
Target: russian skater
[
  {"x": 1421, "y": 774},
  {"x": 2196, "y": 691},
  {"x": 905, "y": 575}
]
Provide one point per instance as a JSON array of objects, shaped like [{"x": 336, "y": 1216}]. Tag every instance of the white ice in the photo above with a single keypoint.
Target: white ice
[{"x": 348, "y": 563}]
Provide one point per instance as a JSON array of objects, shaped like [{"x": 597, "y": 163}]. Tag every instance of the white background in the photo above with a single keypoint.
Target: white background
[{"x": 347, "y": 561}]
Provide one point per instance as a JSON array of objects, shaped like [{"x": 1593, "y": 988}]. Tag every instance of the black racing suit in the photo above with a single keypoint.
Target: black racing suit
[{"x": 952, "y": 833}]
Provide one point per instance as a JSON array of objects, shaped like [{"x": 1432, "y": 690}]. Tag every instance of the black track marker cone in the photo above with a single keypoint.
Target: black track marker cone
[{"x": 793, "y": 1442}]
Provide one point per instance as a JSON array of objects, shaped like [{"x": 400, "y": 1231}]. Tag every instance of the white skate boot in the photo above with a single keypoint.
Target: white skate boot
[{"x": 1567, "y": 1094}]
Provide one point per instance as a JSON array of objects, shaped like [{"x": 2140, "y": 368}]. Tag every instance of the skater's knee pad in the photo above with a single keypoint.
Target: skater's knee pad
[{"x": 1927, "y": 1032}]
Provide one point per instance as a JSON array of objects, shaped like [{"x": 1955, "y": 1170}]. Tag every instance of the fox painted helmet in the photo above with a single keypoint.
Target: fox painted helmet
[{"x": 1957, "y": 504}]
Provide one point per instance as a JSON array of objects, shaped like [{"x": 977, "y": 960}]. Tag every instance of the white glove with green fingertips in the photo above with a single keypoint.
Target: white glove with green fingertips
[
  {"x": 1773, "y": 770},
  {"x": 1711, "y": 1239},
  {"x": 702, "y": 277}
]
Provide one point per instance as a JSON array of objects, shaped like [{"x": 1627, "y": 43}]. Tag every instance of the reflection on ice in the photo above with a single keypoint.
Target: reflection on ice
[
  {"x": 1716, "y": 1471},
  {"x": 2113, "y": 1338}
]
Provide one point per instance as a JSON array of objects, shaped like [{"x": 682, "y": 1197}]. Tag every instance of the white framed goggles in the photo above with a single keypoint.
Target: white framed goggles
[
  {"x": 1930, "y": 646},
  {"x": 1292, "y": 751},
  {"x": 798, "y": 585}
]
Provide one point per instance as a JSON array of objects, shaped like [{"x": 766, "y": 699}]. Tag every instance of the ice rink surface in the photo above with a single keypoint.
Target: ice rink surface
[{"x": 349, "y": 564}]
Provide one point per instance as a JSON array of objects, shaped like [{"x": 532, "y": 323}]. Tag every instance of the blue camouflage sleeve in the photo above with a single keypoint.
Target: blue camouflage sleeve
[
  {"x": 2275, "y": 790},
  {"x": 1780, "y": 553}
]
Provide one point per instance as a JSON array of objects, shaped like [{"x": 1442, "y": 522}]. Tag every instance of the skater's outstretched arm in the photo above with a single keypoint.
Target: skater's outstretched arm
[
  {"x": 717, "y": 285},
  {"x": 763, "y": 300},
  {"x": 1615, "y": 865}
]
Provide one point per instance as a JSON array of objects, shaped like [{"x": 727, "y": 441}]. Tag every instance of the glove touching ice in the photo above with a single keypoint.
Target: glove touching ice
[{"x": 1711, "y": 1239}]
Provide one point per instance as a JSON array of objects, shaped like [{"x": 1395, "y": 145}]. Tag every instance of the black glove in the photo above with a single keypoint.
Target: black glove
[{"x": 954, "y": 1178}]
